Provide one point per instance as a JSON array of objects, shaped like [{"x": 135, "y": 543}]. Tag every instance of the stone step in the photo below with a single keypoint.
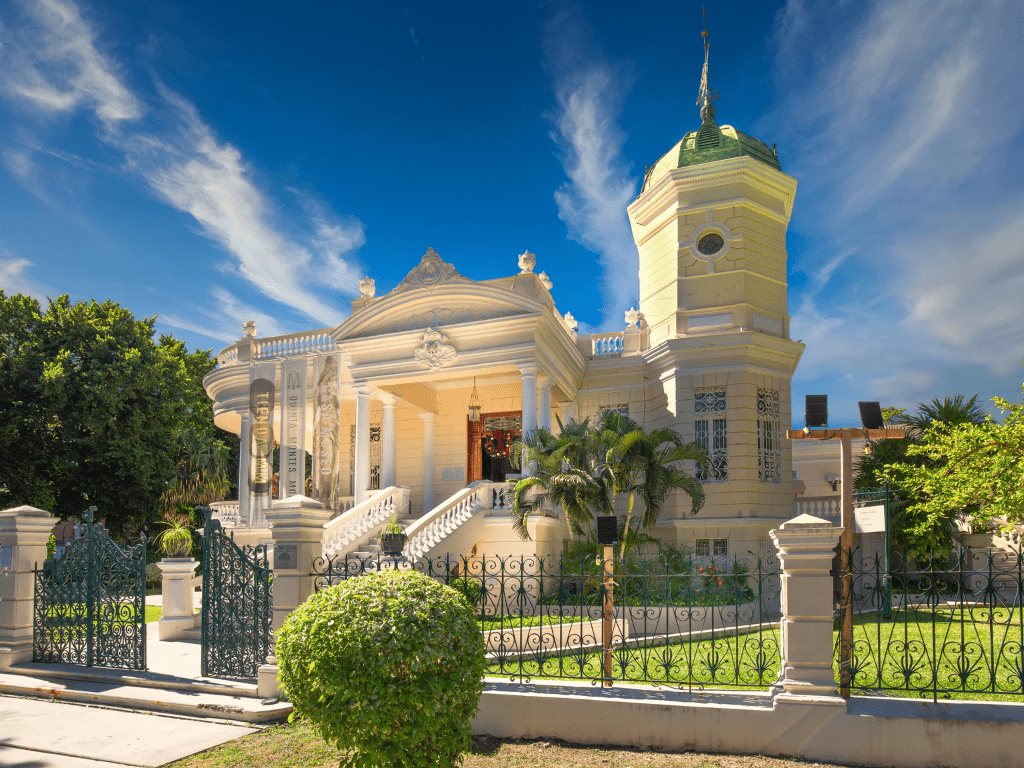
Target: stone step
[{"x": 142, "y": 691}]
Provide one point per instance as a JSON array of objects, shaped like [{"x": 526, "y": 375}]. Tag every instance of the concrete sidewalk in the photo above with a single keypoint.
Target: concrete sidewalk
[{"x": 49, "y": 734}]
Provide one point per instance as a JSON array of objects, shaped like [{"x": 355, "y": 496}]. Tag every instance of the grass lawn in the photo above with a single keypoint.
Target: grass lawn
[
  {"x": 296, "y": 746},
  {"x": 968, "y": 644},
  {"x": 749, "y": 661},
  {"x": 905, "y": 649},
  {"x": 153, "y": 613}
]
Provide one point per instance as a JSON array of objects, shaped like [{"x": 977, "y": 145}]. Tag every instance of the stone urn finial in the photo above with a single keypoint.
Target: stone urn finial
[
  {"x": 249, "y": 328},
  {"x": 571, "y": 321},
  {"x": 632, "y": 316},
  {"x": 367, "y": 287},
  {"x": 527, "y": 261},
  {"x": 545, "y": 280}
]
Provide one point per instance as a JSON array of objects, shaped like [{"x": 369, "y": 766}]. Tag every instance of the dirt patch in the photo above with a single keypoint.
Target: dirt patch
[{"x": 489, "y": 752}]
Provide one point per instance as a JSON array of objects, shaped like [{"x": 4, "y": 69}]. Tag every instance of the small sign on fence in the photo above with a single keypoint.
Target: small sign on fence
[
  {"x": 5, "y": 557},
  {"x": 869, "y": 519}
]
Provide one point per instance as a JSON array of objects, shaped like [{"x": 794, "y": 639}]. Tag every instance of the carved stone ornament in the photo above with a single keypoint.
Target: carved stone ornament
[
  {"x": 527, "y": 261},
  {"x": 367, "y": 287},
  {"x": 434, "y": 352},
  {"x": 431, "y": 272},
  {"x": 632, "y": 316},
  {"x": 545, "y": 280},
  {"x": 571, "y": 321},
  {"x": 249, "y": 328}
]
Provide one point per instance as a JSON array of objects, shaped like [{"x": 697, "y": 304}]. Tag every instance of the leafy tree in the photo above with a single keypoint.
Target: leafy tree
[
  {"x": 92, "y": 411},
  {"x": 584, "y": 469},
  {"x": 890, "y": 460},
  {"x": 974, "y": 467}
]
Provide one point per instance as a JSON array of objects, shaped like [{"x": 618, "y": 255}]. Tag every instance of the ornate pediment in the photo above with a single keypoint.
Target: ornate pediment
[{"x": 431, "y": 272}]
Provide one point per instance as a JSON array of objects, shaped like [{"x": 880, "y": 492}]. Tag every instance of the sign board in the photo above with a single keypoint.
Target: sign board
[
  {"x": 5, "y": 557},
  {"x": 869, "y": 519},
  {"x": 286, "y": 557}
]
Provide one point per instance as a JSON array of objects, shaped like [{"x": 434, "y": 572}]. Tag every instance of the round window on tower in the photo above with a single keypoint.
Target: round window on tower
[{"x": 710, "y": 244}]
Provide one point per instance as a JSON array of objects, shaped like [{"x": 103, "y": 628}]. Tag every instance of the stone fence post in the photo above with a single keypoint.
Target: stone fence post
[
  {"x": 24, "y": 532},
  {"x": 806, "y": 547},
  {"x": 297, "y": 527}
]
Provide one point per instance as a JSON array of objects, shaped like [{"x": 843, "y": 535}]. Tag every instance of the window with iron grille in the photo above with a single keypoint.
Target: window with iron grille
[
  {"x": 711, "y": 430},
  {"x": 711, "y": 547},
  {"x": 769, "y": 436},
  {"x": 621, "y": 408}
]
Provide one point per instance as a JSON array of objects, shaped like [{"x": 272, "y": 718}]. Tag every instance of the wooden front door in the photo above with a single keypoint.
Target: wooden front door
[{"x": 489, "y": 445}]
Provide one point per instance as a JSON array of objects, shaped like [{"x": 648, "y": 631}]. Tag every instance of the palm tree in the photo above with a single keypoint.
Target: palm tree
[{"x": 585, "y": 468}]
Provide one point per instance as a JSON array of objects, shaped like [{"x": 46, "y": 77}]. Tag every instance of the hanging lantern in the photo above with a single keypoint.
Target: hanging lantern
[{"x": 474, "y": 403}]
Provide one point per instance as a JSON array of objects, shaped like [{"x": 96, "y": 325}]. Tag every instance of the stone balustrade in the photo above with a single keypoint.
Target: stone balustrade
[
  {"x": 826, "y": 507},
  {"x": 227, "y": 513},
  {"x": 444, "y": 519},
  {"x": 277, "y": 346},
  {"x": 351, "y": 527}
]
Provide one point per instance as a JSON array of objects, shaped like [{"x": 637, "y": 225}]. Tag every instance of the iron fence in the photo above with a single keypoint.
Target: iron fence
[
  {"x": 945, "y": 626},
  {"x": 680, "y": 621}
]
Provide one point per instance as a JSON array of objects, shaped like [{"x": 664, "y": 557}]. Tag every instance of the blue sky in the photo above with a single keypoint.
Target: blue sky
[{"x": 211, "y": 162}]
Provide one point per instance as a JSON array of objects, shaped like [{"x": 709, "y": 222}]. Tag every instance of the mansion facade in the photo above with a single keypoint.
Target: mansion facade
[{"x": 382, "y": 402}]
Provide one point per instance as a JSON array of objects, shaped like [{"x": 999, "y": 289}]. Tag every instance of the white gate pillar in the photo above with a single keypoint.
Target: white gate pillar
[
  {"x": 297, "y": 527},
  {"x": 806, "y": 547},
  {"x": 429, "y": 432},
  {"x": 362, "y": 460},
  {"x": 24, "y": 532}
]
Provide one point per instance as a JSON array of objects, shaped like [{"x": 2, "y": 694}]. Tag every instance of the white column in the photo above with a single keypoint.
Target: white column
[
  {"x": 244, "y": 460},
  {"x": 429, "y": 430},
  {"x": 362, "y": 473},
  {"x": 529, "y": 371},
  {"x": 544, "y": 402},
  {"x": 388, "y": 464},
  {"x": 23, "y": 535}
]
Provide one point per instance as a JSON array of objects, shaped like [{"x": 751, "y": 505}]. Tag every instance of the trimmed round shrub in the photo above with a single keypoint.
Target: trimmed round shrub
[{"x": 388, "y": 666}]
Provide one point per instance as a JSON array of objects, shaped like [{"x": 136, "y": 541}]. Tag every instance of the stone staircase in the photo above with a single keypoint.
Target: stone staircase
[{"x": 159, "y": 692}]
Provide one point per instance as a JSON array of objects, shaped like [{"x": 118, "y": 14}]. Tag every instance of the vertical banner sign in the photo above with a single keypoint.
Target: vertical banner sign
[
  {"x": 261, "y": 435},
  {"x": 293, "y": 429},
  {"x": 326, "y": 425}
]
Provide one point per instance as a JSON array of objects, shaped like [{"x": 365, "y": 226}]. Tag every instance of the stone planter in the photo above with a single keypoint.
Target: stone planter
[
  {"x": 179, "y": 595},
  {"x": 392, "y": 543}
]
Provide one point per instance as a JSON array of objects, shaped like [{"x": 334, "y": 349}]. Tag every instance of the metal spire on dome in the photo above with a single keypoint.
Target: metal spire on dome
[{"x": 705, "y": 95}]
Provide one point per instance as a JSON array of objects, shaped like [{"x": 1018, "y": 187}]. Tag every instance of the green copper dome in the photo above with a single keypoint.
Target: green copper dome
[{"x": 707, "y": 144}]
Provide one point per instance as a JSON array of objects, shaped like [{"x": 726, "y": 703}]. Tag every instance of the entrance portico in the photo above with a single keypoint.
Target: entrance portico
[{"x": 385, "y": 394}]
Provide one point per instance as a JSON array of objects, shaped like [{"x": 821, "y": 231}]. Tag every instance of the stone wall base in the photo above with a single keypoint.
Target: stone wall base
[{"x": 868, "y": 731}]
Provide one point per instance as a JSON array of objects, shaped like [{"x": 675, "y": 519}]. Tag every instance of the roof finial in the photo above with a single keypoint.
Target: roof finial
[{"x": 705, "y": 96}]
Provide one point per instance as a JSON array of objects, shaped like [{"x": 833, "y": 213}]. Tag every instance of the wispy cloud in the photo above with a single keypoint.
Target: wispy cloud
[
  {"x": 55, "y": 65},
  {"x": 589, "y": 94},
  {"x": 224, "y": 321},
  {"x": 13, "y": 277},
  {"x": 905, "y": 132}
]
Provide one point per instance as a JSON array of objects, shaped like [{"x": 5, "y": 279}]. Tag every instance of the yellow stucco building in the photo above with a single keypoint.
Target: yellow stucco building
[{"x": 382, "y": 400}]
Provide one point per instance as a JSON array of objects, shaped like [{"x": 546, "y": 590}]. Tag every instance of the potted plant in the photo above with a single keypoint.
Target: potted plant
[
  {"x": 392, "y": 538},
  {"x": 175, "y": 540}
]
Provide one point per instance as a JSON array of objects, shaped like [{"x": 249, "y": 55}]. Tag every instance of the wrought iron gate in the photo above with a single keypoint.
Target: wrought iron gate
[
  {"x": 90, "y": 605},
  {"x": 236, "y": 605}
]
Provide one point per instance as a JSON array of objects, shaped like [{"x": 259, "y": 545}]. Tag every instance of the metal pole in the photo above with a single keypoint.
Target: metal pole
[
  {"x": 609, "y": 614},
  {"x": 846, "y": 563},
  {"x": 886, "y": 578}
]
